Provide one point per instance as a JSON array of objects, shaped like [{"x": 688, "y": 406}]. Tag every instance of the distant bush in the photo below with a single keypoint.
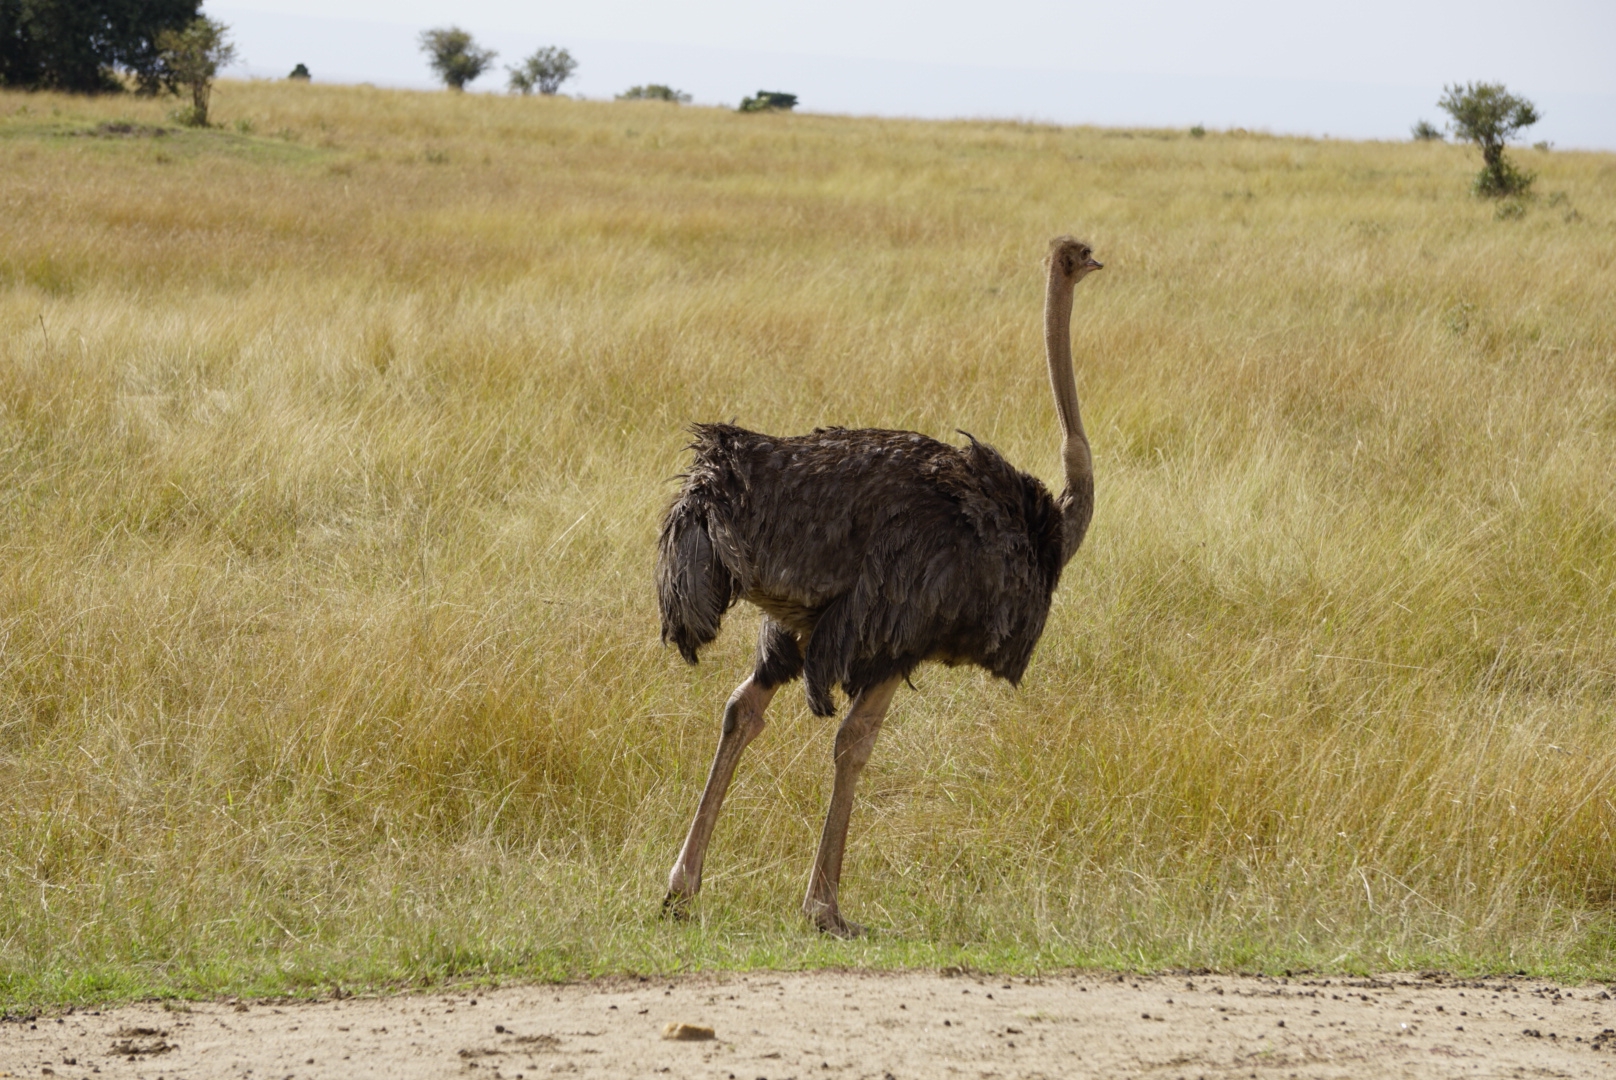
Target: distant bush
[
  {"x": 544, "y": 71},
  {"x": 769, "y": 101},
  {"x": 191, "y": 58},
  {"x": 1489, "y": 116},
  {"x": 1198, "y": 132},
  {"x": 654, "y": 92},
  {"x": 300, "y": 72},
  {"x": 1569, "y": 214},
  {"x": 456, "y": 58},
  {"x": 1425, "y": 131},
  {"x": 1503, "y": 180}
]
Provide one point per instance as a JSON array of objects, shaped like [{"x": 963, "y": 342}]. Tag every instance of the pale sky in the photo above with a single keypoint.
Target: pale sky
[{"x": 1359, "y": 69}]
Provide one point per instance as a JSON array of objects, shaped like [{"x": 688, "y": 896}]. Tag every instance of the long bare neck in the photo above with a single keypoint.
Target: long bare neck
[{"x": 1077, "y": 500}]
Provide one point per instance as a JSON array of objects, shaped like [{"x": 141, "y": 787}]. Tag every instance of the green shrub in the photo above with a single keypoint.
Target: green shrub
[
  {"x": 654, "y": 92},
  {"x": 769, "y": 101},
  {"x": 1502, "y": 181},
  {"x": 1425, "y": 131}
]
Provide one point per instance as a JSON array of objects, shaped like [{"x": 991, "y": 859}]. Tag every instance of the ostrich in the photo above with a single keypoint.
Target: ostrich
[{"x": 869, "y": 551}]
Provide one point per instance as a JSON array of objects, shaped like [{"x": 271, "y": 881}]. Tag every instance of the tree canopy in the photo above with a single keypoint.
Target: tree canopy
[
  {"x": 453, "y": 54},
  {"x": 81, "y": 45},
  {"x": 544, "y": 71},
  {"x": 1489, "y": 115}
]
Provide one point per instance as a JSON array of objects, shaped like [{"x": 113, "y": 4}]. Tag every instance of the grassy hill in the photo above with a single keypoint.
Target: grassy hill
[{"x": 333, "y": 444}]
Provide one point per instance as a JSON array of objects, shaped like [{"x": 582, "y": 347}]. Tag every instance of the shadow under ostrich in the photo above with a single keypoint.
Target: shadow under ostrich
[{"x": 869, "y": 551}]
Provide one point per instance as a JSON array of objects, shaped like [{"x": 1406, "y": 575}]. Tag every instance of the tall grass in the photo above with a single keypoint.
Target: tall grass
[{"x": 332, "y": 450}]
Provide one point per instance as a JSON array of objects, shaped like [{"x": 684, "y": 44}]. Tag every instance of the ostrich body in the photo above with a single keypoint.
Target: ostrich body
[{"x": 869, "y": 552}]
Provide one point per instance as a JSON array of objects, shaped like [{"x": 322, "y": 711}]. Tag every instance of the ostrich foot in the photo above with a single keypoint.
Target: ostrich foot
[
  {"x": 840, "y": 927},
  {"x": 829, "y": 921},
  {"x": 676, "y": 907}
]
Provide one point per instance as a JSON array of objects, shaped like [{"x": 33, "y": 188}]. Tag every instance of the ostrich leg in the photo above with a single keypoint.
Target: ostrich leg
[
  {"x": 855, "y": 739},
  {"x": 743, "y": 719}
]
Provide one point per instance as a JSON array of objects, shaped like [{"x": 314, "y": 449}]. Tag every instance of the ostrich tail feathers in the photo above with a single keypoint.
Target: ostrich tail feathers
[{"x": 694, "y": 588}]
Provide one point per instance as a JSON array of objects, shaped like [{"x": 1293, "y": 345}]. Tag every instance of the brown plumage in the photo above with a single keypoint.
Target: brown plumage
[
  {"x": 869, "y": 551},
  {"x": 930, "y": 552}
]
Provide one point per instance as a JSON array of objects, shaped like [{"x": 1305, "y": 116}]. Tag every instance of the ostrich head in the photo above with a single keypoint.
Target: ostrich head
[{"x": 1073, "y": 258}]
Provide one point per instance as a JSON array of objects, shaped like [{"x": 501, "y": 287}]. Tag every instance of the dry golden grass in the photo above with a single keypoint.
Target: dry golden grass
[{"x": 332, "y": 453}]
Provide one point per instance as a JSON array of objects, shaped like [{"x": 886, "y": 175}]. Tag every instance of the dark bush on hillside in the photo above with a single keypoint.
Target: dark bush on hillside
[
  {"x": 1425, "y": 131},
  {"x": 769, "y": 101},
  {"x": 83, "y": 45},
  {"x": 1489, "y": 116},
  {"x": 654, "y": 92},
  {"x": 300, "y": 72}
]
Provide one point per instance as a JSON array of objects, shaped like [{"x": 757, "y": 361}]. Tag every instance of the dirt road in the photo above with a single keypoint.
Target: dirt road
[{"x": 857, "y": 1025}]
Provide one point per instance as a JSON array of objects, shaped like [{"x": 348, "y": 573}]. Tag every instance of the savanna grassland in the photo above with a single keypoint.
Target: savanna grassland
[{"x": 333, "y": 443}]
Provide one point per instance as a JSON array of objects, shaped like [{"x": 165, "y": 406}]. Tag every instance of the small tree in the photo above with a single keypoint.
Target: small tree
[
  {"x": 769, "y": 101},
  {"x": 544, "y": 71},
  {"x": 654, "y": 92},
  {"x": 453, "y": 54},
  {"x": 1425, "y": 131},
  {"x": 191, "y": 58},
  {"x": 1489, "y": 116},
  {"x": 301, "y": 72}
]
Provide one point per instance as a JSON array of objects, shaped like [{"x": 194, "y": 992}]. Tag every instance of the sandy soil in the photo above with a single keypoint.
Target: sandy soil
[{"x": 856, "y": 1024}]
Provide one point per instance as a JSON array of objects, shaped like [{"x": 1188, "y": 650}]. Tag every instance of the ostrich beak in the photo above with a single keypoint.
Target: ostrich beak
[{"x": 1092, "y": 265}]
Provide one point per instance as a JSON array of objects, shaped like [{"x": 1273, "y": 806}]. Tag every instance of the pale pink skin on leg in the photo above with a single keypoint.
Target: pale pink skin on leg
[
  {"x": 855, "y": 740},
  {"x": 743, "y": 720}
]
